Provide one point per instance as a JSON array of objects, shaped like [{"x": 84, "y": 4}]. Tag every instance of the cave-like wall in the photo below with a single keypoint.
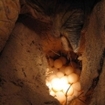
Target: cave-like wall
[{"x": 29, "y": 29}]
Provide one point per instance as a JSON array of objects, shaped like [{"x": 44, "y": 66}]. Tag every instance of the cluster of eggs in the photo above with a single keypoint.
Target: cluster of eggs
[{"x": 63, "y": 80}]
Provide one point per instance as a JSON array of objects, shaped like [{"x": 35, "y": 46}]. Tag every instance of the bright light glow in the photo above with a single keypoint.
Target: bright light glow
[
  {"x": 60, "y": 84},
  {"x": 48, "y": 84},
  {"x": 52, "y": 93},
  {"x": 56, "y": 84},
  {"x": 63, "y": 83},
  {"x": 65, "y": 87},
  {"x": 64, "y": 80}
]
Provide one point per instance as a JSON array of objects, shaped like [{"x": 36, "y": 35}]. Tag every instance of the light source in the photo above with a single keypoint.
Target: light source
[{"x": 63, "y": 82}]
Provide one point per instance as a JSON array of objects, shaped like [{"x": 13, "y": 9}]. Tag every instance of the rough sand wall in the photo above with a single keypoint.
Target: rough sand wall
[{"x": 22, "y": 70}]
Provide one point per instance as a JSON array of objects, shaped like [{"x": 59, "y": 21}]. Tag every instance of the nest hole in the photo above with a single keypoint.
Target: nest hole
[{"x": 62, "y": 76}]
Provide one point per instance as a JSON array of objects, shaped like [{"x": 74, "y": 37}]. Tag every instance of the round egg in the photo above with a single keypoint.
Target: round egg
[
  {"x": 64, "y": 80},
  {"x": 69, "y": 98},
  {"x": 70, "y": 91},
  {"x": 59, "y": 74},
  {"x": 65, "y": 88},
  {"x": 58, "y": 63},
  {"x": 72, "y": 78},
  {"x": 63, "y": 59},
  {"x": 52, "y": 93},
  {"x": 60, "y": 96},
  {"x": 68, "y": 70},
  {"x": 76, "y": 93},
  {"x": 76, "y": 86},
  {"x": 51, "y": 76},
  {"x": 56, "y": 84}
]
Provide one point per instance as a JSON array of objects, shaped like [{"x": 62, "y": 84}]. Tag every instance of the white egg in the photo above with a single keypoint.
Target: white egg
[
  {"x": 68, "y": 70},
  {"x": 72, "y": 78},
  {"x": 70, "y": 91},
  {"x": 60, "y": 97},
  {"x": 63, "y": 59},
  {"x": 59, "y": 74},
  {"x": 64, "y": 80},
  {"x": 65, "y": 88},
  {"x": 76, "y": 86},
  {"x": 58, "y": 63},
  {"x": 56, "y": 84},
  {"x": 52, "y": 93}
]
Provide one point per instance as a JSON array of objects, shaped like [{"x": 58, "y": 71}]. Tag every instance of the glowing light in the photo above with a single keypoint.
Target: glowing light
[
  {"x": 48, "y": 84},
  {"x": 64, "y": 80},
  {"x": 52, "y": 93},
  {"x": 63, "y": 83},
  {"x": 65, "y": 87},
  {"x": 56, "y": 84}
]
